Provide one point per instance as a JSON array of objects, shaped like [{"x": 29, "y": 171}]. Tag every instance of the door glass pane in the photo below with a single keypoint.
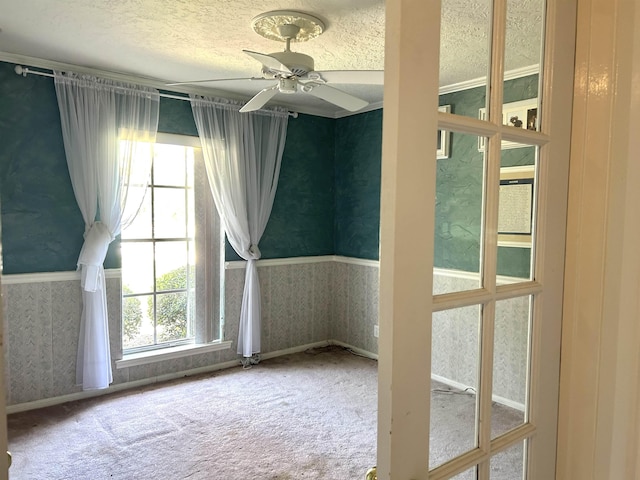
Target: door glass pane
[
  {"x": 465, "y": 35},
  {"x": 458, "y": 216},
  {"x": 471, "y": 474},
  {"x": 510, "y": 364},
  {"x": 523, "y": 52},
  {"x": 516, "y": 212},
  {"x": 455, "y": 354},
  {"x": 509, "y": 464}
]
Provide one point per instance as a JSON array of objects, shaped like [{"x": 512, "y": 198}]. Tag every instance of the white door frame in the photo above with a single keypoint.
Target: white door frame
[{"x": 599, "y": 429}]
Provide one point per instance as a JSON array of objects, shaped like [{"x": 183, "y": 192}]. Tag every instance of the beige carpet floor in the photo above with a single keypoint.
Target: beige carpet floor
[{"x": 309, "y": 415}]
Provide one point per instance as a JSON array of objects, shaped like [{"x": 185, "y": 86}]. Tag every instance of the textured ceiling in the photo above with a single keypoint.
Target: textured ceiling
[{"x": 181, "y": 40}]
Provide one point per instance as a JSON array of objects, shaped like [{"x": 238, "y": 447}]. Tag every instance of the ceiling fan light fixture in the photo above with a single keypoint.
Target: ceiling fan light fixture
[
  {"x": 287, "y": 85},
  {"x": 278, "y": 25}
]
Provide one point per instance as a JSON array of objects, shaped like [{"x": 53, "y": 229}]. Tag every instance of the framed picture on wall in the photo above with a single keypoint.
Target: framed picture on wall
[
  {"x": 515, "y": 207},
  {"x": 523, "y": 114},
  {"x": 444, "y": 137}
]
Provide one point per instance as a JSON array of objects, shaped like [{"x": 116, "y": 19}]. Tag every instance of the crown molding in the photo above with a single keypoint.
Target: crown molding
[{"x": 481, "y": 81}]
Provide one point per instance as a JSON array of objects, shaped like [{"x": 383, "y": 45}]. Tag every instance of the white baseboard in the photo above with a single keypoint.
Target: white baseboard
[
  {"x": 461, "y": 386},
  {"x": 298, "y": 349},
  {"x": 49, "y": 402},
  {"x": 356, "y": 350}
]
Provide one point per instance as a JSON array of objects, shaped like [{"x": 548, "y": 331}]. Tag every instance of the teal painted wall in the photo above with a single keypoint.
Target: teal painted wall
[
  {"x": 301, "y": 222},
  {"x": 43, "y": 227},
  {"x": 328, "y": 198},
  {"x": 459, "y": 187},
  {"x": 357, "y": 178},
  {"x": 176, "y": 117},
  {"x": 302, "y": 219},
  {"x": 41, "y": 224}
]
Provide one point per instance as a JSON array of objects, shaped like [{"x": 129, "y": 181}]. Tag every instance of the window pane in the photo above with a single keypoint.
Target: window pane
[
  {"x": 137, "y": 323},
  {"x": 170, "y": 220},
  {"x": 464, "y": 54},
  {"x": 169, "y": 166},
  {"x": 140, "y": 227},
  {"x": 455, "y": 358},
  {"x": 508, "y": 464},
  {"x": 458, "y": 216},
  {"x": 171, "y": 316},
  {"x": 159, "y": 275},
  {"x": 171, "y": 265},
  {"x": 190, "y": 159},
  {"x": 137, "y": 266},
  {"x": 510, "y": 365}
]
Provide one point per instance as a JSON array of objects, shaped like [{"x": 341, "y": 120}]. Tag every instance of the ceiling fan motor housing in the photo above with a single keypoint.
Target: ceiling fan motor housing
[{"x": 299, "y": 63}]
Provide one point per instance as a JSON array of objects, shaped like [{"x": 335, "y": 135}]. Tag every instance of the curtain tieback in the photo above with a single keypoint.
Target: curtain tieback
[
  {"x": 92, "y": 255},
  {"x": 254, "y": 252}
]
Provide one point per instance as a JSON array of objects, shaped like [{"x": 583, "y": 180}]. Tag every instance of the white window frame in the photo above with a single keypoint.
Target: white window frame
[{"x": 209, "y": 317}]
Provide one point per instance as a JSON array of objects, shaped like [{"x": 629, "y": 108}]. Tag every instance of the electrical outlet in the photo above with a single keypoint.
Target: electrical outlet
[{"x": 376, "y": 331}]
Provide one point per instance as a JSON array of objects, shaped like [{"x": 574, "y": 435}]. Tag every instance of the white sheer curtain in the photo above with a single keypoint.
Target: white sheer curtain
[
  {"x": 242, "y": 153},
  {"x": 108, "y": 129}
]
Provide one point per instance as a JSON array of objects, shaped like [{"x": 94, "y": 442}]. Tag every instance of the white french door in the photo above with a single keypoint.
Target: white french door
[{"x": 472, "y": 239}]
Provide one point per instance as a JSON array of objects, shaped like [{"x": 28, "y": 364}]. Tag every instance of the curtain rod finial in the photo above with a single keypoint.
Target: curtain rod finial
[{"x": 20, "y": 70}]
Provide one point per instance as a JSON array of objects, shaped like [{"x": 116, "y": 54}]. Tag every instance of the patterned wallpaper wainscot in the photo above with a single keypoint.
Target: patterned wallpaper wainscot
[
  {"x": 41, "y": 323},
  {"x": 306, "y": 301},
  {"x": 299, "y": 305},
  {"x": 455, "y": 347}
]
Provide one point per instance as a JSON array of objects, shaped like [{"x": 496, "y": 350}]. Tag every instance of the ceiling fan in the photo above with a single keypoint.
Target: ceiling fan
[{"x": 294, "y": 72}]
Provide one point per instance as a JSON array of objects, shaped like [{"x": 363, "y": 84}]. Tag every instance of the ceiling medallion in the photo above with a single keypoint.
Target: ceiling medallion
[{"x": 281, "y": 25}]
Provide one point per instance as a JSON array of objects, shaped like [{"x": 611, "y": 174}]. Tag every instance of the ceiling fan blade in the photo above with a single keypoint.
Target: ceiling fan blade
[
  {"x": 259, "y": 100},
  {"x": 335, "y": 96},
  {"x": 361, "y": 77},
  {"x": 268, "y": 61},
  {"x": 217, "y": 80}
]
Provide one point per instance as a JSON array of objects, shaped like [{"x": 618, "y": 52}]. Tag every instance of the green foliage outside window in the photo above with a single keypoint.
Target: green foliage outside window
[
  {"x": 171, "y": 309},
  {"x": 131, "y": 316}
]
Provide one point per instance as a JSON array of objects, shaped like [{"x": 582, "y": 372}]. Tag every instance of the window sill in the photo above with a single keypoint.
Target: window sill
[{"x": 159, "y": 355}]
